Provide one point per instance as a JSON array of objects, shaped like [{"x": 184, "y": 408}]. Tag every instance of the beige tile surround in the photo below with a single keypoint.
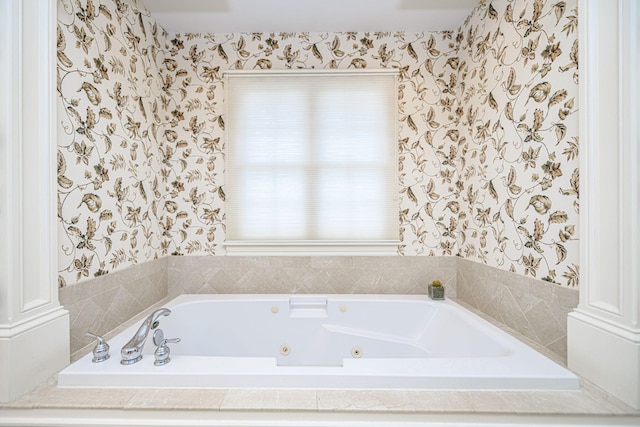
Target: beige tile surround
[
  {"x": 310, "y": 275},
  {"x": 534, "y": 308},
  {"x": 102, "y": 304}
]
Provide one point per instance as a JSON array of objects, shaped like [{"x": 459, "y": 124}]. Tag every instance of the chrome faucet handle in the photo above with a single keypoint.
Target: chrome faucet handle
[
  {"x": 101, "y": 350},
  {"x": 158, "y": 337},
  {"x": 163, "y": 351}
]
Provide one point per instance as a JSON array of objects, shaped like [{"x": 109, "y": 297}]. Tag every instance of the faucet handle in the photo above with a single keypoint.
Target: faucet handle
[
  {"x": 158, "y": 337},
  {"x": 101, "y": 350},
  {"x": 163, "y": 351}
]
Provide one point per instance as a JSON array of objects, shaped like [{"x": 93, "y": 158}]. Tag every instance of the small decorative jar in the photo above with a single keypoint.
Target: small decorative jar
[{"x": 436, "y": 290}]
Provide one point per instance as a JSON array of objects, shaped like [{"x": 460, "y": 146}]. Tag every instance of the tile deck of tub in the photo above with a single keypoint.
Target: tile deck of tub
[{"x": 586, "y": 401}]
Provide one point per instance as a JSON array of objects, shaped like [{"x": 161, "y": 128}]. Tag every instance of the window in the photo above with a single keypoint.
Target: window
[{"x": 311, "y": 162}]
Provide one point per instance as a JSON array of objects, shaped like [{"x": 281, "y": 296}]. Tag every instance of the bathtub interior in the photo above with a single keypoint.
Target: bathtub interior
[
  {"x": 322, "y": 331},
  {"x": 314, "y": 341}
]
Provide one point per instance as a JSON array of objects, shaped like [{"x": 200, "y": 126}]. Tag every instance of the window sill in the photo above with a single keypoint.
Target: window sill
[{"x": 311, "y": 248}]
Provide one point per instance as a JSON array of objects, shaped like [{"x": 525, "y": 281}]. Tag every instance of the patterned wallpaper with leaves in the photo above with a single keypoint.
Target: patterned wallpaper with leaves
[
  {"x": 193, "y": 75},
  {"x": 518, "y": 143},
  {"x": 141, "y": 161},
  {"x": 110, "y": 137}
]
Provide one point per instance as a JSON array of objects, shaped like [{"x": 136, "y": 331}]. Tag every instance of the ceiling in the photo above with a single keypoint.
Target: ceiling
[{"x": 239, "y": 16}]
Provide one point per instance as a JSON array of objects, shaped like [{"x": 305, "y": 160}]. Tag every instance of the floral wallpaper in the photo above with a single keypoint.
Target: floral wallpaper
[
  {"x": 518, "y": 143},
  {"x": 110, "y": 137},
  {"x": 195, "y": 149},
  {"x": 487, "y": 143}
]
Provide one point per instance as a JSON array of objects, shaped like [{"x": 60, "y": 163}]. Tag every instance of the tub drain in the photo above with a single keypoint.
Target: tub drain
[
  {"x": 356, "y": 352},
  {"x": 285, "y": 349}
]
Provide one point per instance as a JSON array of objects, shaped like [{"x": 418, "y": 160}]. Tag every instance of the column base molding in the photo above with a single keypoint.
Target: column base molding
[
  {"x": 605, "y": 354},
  {"x": 31, "y": 352}
]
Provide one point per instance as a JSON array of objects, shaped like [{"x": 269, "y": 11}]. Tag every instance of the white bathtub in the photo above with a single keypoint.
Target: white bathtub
[{"x": 336, "y": 341}]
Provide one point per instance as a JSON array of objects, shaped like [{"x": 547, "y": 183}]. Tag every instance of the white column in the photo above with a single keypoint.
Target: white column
[
  {"x": 604, "y": 330},
  {"x": 34, "y": 328}
]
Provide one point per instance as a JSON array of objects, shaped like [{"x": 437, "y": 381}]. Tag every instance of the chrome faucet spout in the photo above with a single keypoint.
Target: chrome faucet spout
[{"x": 132, "y": 351}]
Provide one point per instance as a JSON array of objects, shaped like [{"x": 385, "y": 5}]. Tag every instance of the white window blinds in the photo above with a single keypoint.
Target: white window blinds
[{"x": 311, "y": 161}]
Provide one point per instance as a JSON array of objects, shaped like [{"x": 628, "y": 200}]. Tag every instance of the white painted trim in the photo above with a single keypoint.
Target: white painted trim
[
  {"x": 605, "y": 355},
  {"x": 599, "y": 225},
  {"x": 22, "y": 327},
  {"x": 34, "y": 328},
  {"x": 630, "y": 156},
  {"x": 33, "y": 353},
  {"x": 604, "y": 331},
  {"x": 309, "y": 248},
  {"x": 312, "y": 72},
  {"x": 603, "y": 324},
  {"x": 5, "y": 149},
  {"x": 31, "y": 157},
  {"x": 611, "y": 256}
]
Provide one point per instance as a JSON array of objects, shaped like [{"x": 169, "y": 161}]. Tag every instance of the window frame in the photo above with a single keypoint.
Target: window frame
[{"x": 283, "y": 247}]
